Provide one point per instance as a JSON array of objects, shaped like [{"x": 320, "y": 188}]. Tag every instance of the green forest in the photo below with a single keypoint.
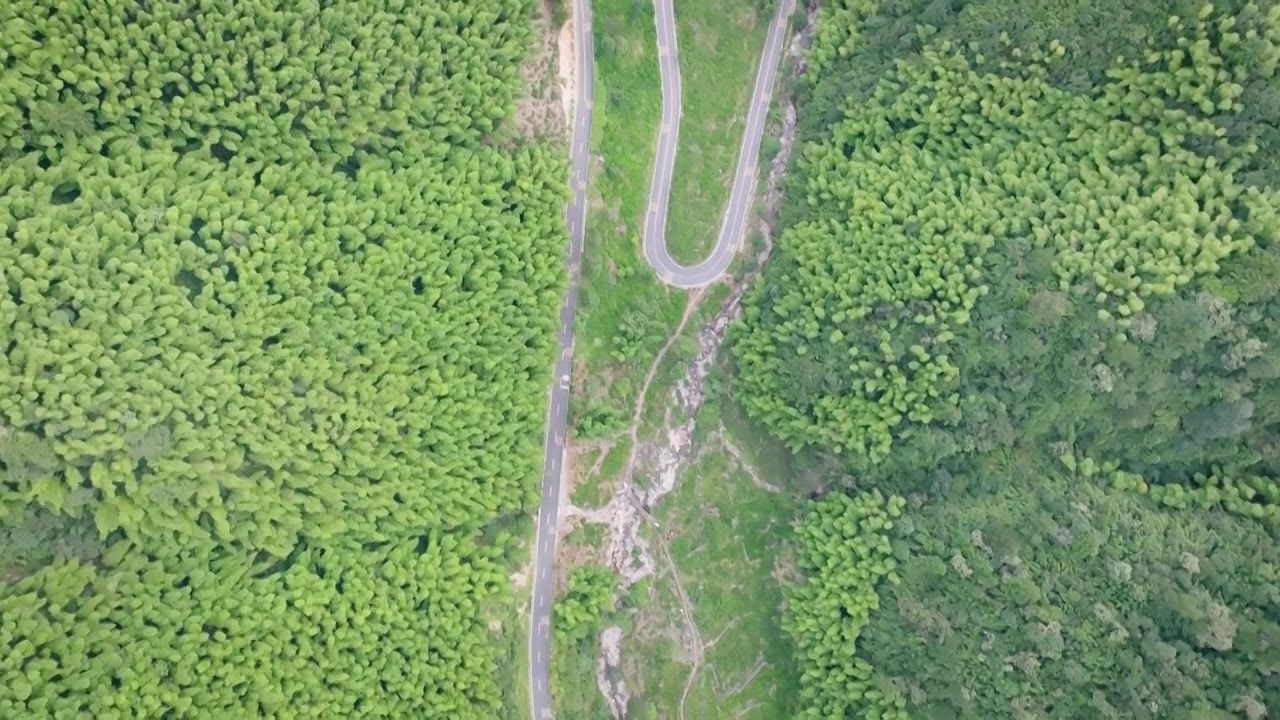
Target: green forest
[
  {"x": 280, "y": 294},
  {"x": 1026, "y": 296},
  {"x": 276, "y": 317}
]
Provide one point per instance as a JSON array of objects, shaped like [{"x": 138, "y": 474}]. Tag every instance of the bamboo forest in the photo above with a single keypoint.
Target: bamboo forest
[
  {"x": 1027, "y": 292},
  {"x": 277, "y": 320},
  {"x": 282, "y": 292}
]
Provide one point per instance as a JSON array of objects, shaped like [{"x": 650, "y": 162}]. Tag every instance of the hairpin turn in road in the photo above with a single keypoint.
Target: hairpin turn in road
[
  {"x": 655, "y": 252},
  {"x": 744, "y": 181}
]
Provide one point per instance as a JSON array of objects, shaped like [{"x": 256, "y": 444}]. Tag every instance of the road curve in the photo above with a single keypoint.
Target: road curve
[
  {"x": 735, "y": 215},
  {"x": 655, "y": 250},
  {"x": 544, "y": 548}
]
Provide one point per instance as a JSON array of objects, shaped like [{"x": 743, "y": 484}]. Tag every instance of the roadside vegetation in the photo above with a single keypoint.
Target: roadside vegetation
[
  {"x": 720, "y": 651},
  {"x": 581, "y": 611},
  {"x": 624, "y": 313}
]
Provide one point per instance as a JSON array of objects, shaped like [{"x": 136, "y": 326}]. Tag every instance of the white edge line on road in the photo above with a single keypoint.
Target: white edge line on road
[
  {"x": 703, "y": 273},
  {"x": 742, "y": 193},
  {"x": 539, "y": 702}
]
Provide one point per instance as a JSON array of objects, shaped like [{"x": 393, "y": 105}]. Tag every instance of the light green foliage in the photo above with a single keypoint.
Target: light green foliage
[
  {"x": 844, "y": 552},
  {"x": 587, "y": 604},
  {"x": 586, "y": 601},
  {"x": 271, "y": 346},
  {"x": 838, "y": 31},
  {"x": 265, "y": 362},
  {"x": 637, "y": 331},
  {"x": 260, "y": 77},
  {"x": 600, "y": 419},
  {"x": 200, "y": 632},
  {"x": 1252, "y": 496},
  {"x": 1064, "y": 600},
  {"x": 268, "y": 293},
  {"x": 848, "y": 344}
]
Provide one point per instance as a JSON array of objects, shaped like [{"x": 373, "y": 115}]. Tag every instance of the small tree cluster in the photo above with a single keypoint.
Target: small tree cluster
[
  {"x": 844, "y": 554},
  {"x": 586, "y": 601}
]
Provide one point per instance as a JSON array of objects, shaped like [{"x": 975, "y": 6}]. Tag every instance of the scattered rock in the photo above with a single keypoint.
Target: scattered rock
[{"x": 609, "y": 678}]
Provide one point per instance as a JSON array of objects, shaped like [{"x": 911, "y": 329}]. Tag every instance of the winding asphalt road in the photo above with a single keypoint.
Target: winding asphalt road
[
  {"x": 544, "y": 554},
  {"x": 735, "y": 215},
  {"x": 655, "y": 251}
]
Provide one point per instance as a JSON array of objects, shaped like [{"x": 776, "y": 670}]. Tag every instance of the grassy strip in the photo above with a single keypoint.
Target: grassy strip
[
  {"x": 585, "y": 608},
  {"x": 513, "y": 661},
  {"x": 728, "y": 536},
  {"x": 594, "y": 491},
  {"x": 599, "y": 112},
  {"x": 508, "y": 619},
  {"x": 625, "y": 314},
  {"x": 560, "y": 11},
  {"x": 720, "y": 42}
]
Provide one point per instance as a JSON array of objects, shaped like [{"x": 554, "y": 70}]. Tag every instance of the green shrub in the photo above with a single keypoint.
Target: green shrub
[{"x": 586, "y": 601}]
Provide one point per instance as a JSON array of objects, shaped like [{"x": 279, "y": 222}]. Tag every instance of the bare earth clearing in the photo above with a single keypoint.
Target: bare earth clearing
[{"x": 545, "y": 108}]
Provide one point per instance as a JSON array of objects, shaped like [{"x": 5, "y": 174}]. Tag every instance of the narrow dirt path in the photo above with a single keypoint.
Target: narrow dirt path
[
  {"x": 690, "y": 307},
  {"x": 627, "y": 545},
  {"x": 692, "y": 633},
  {"x": 629, "y": 552},
  {"x": 747, "y": 467},
  {"x": 724, "y": 692}
]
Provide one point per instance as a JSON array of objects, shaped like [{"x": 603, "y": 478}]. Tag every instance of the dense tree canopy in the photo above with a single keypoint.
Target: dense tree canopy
[
  {"x": 1067, "y": 600},
  {"x": 340, "y": 632},
  {"x": 1122, "y": 195},
  {"x": 845, "y": 552},
  {"x": 275, "y": 318},
  {"x": 1029, "y": 279}
]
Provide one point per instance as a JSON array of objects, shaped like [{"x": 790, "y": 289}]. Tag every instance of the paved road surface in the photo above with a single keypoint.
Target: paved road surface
[
  {"x": 735, "y": 215},
  {"x": 655, "y": 251},
  {"x": 553, "y": 446}
]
